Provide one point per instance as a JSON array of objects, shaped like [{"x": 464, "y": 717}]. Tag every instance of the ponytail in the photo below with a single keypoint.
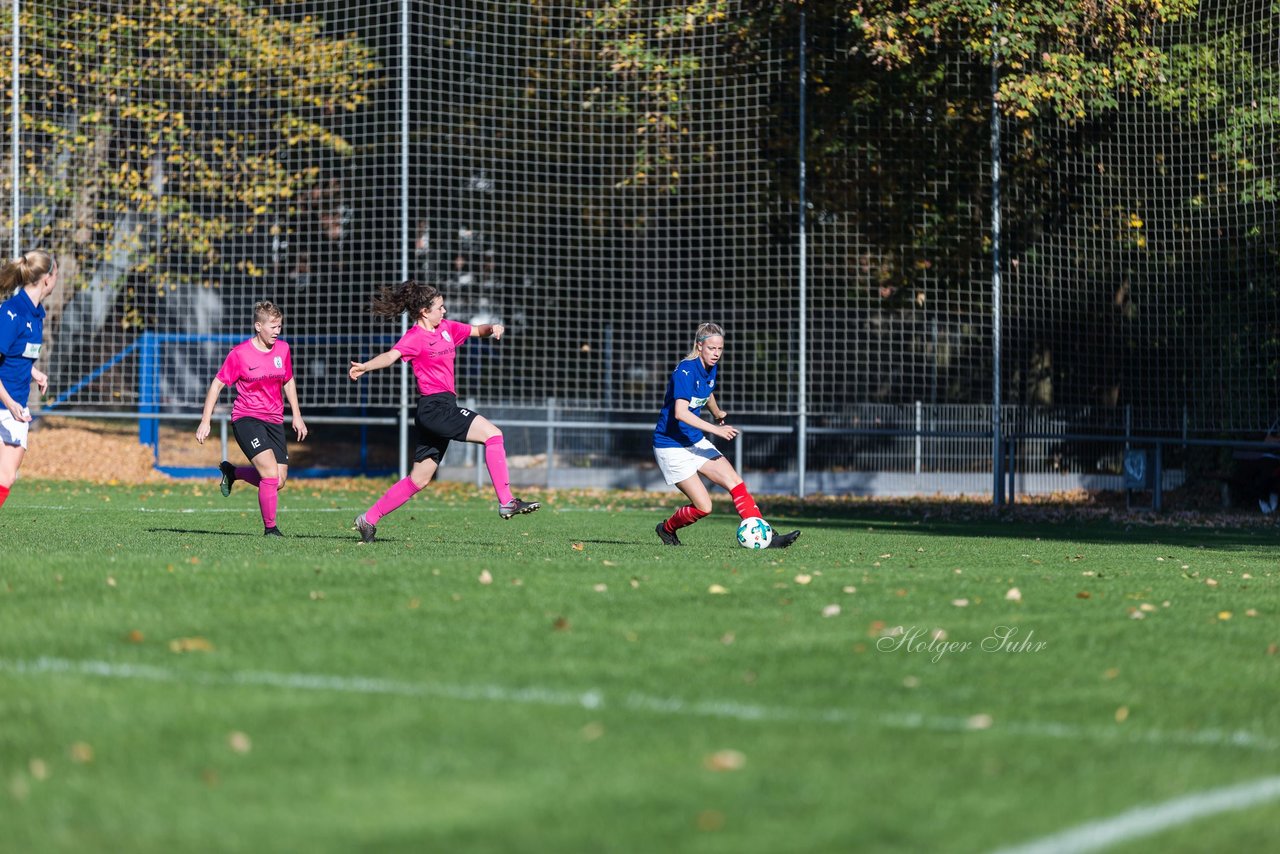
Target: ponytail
[
  {"x": 25, "y": 269},
  {"x": 409, "y": 296}
]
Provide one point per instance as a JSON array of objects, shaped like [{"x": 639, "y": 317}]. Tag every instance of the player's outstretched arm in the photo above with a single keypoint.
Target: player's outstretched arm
[
  {"x": 489, "y": 330},
  {"x": 377, "y": 363}
]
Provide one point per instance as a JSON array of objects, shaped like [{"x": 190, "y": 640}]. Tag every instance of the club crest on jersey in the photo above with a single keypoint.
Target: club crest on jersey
[
  {"x": 446, "y": 336},
  {"x": 278, "y": 362}
]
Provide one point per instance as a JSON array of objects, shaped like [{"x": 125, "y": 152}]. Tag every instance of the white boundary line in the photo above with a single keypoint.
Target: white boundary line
[
  {"x": 1150, "y": 820},
  {"x": 593, "y": 698}
]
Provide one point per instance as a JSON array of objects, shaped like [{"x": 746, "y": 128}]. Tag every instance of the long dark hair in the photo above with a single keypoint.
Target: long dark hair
[{"x": 409, "y": 296}]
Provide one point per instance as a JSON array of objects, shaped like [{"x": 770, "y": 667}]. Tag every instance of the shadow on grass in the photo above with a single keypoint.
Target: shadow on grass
[
  {"x": 353, "y": 537},
  {"x": 1044, "y": 522}
]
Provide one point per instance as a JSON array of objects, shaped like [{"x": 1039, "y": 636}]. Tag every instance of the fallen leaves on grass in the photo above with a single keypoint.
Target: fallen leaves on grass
[
  {"x": 717, "y": 590},
  {"x": 486, "y": 577},
  {"x": 239, "y": 742},
  {"x": 193, "y": 644},
  {"x": 725, "y": 760}
]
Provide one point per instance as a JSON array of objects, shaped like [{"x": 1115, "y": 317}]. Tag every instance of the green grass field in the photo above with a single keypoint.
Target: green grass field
[{"x": 172, "y": 681}]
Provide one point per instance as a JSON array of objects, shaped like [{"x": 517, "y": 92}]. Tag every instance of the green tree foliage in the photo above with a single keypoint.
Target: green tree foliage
[{"x": 166, "y": 130}]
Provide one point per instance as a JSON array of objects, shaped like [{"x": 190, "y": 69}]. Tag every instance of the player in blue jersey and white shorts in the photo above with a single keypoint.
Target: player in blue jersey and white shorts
[
  {"x": 683, "y": 451},
  {"x": 29, "y": 279}
]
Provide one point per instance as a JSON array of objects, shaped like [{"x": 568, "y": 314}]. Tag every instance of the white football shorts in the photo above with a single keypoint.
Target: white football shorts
[
  {"x": 679, "y": 464},
  {"x": 12, "y": 431}
]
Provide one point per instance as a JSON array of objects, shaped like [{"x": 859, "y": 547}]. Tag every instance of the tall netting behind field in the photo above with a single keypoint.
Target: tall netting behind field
[
  {"x": 601, "y": 177},
  {"x": 187, "y": 160},
  {"x": 1141, "y": 249},
  {"x": 596, "y": 184},
  {"x": 900, "y": 257}
]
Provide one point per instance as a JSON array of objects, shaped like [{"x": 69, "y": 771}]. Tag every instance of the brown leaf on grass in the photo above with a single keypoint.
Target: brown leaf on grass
[
  {"x": 1083, "y": 594},
  {"x": 577, "y": 547},
  {"x": 486, "y": 577},
  {"x": 724, "y": 760},
  {"x": 81, "y": 752},
  {"x": 239, "y": 742},
  {"x": 710, "y": 821},
  {"x": 560, "y": 624},
  {"x": 1122, "y": 714},
  {"x": 979, "y": 722},
  {"x": 134, "y": 636},
  {"x": 194, "y": 644},
  {"x": 717, "y": 590},
  {"x": 592, "y": 731},
  {"x": 39, "y": 770}
]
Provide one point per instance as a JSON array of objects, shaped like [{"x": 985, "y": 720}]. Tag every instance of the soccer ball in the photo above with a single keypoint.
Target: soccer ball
[{"x": 755, "y": 533}]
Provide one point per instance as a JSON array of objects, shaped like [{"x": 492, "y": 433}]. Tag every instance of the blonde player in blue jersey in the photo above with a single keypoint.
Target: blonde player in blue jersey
[
  {"x": 30, "y": 278},
  {"x": 685, "y": 454}
]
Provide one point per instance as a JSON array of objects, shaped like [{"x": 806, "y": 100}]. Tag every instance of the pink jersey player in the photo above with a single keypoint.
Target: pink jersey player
[
  {"x": 431, "y": 346},
  {"x": 261, "y": 370}
]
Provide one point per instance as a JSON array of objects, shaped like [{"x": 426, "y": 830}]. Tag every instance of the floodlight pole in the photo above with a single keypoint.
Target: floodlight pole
[
  {"x": 14, "y": 138},
  {"x": 406, "y": 238},
  {"x": 997, "y": 449},
  {"x": 802, "y": 400}
]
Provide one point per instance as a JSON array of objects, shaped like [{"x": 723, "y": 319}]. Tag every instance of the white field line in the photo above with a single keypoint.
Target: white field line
[
  {"x": 593, "y": 698},
  {"x": 1150, "y": 820}
]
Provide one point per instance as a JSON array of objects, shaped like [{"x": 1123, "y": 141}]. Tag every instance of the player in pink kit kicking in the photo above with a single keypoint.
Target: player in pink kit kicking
[
  {"x": 261, "y": 369},
  {"x": 430, "y": 346}
]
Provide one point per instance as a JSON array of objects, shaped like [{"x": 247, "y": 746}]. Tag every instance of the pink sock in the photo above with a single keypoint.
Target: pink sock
[
  {"x": 398, "y": 494},
  {"x": 4, "y": 493},
  {"x": 495, "y": 457},
  {"x": 249, "y": 475},
  {"x": 267, "y": 500}
]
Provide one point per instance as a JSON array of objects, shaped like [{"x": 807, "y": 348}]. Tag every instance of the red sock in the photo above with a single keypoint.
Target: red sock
[
  {"x": 267, "y": 490},
  {"x": 744, "y": 503},
  {"x": 4, "y": 493},
  {"x": 683, "y": 517},
  {"x": 495, "y": 457}
]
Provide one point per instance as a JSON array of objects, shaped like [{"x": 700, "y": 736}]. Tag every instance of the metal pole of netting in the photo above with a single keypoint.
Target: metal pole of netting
[
  {"x": 997, "y": 457},
  {"x": 405, "y": 240},
  {"x": 14, "y": 139},
  {"x": 802, "y": 439}
]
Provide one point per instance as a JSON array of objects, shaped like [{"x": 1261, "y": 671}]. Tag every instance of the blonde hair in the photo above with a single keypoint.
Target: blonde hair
[
  {"x": 21, "y": 271},
  {"x": 265, "y": 310},
  {"x": 705, "y": 331}
]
